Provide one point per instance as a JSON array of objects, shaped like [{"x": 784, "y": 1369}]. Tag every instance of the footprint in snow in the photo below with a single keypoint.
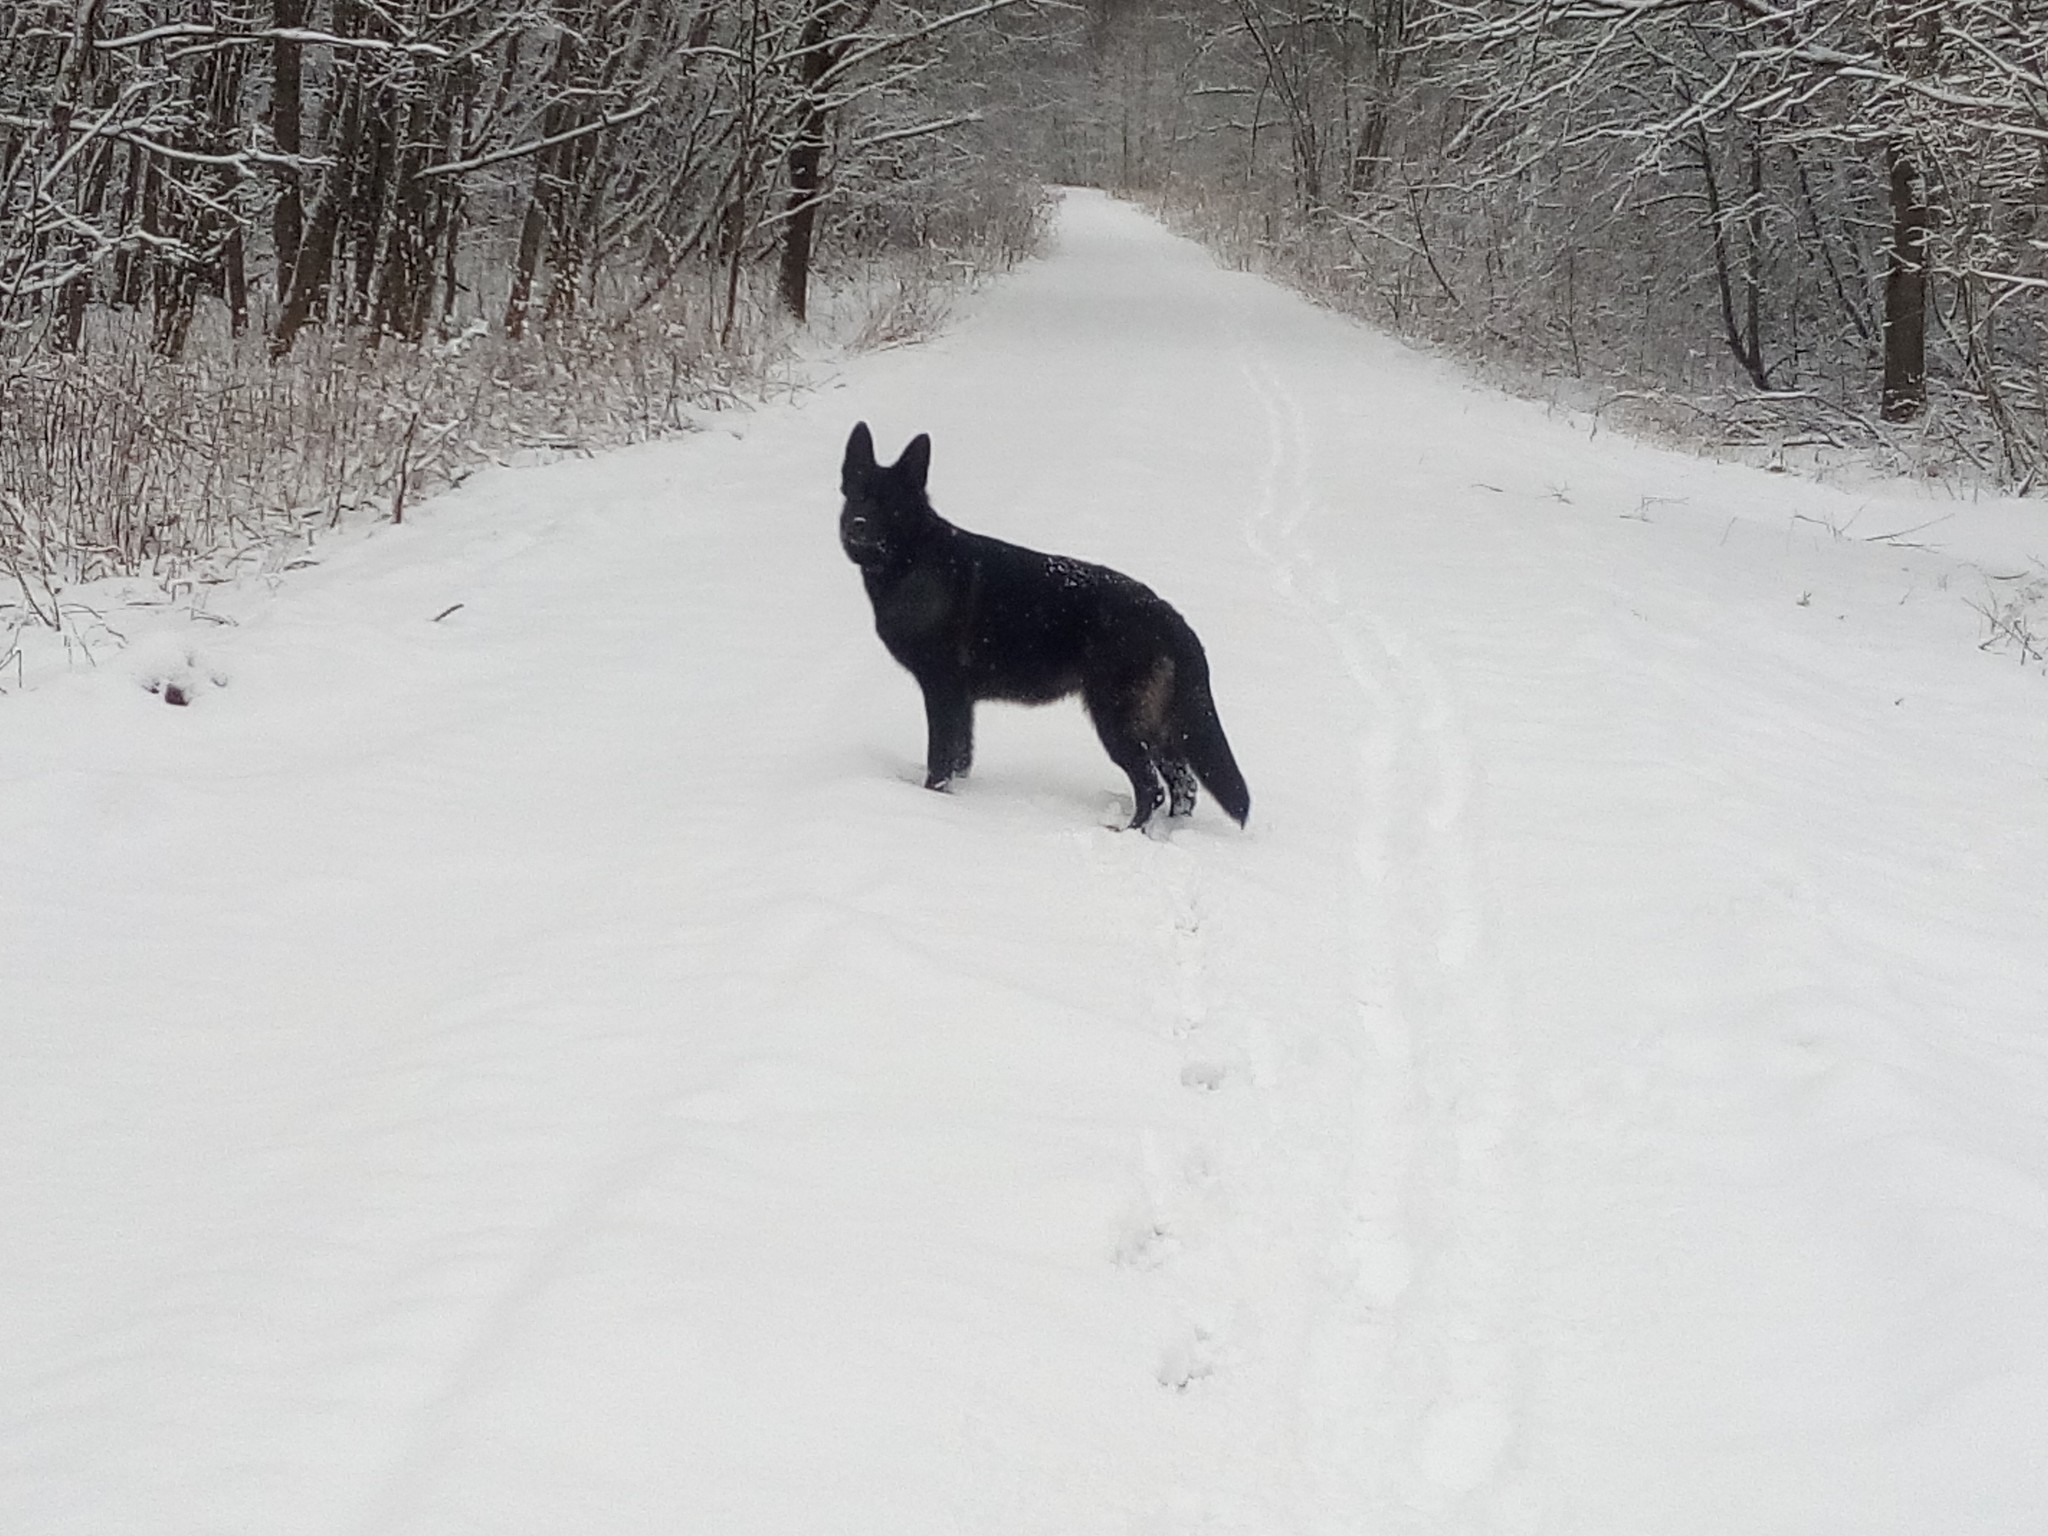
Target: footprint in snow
[
  {"x": 1191, "y": 1360},
  {"x": 1146, "y": 1243},
  {"x": 1207, "y": 1076}
]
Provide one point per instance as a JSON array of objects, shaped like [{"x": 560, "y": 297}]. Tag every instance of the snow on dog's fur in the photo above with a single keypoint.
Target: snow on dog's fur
[{"x": 975, "y": 618}]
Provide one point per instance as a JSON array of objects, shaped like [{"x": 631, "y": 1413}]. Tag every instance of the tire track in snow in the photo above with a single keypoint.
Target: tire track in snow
[
  {"x": 1431, "y": 1383},
  {"x": 491, "y": 1285}
]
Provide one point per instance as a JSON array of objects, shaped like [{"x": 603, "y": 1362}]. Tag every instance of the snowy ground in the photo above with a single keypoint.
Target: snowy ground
[{"x": 543, "y": 1066}]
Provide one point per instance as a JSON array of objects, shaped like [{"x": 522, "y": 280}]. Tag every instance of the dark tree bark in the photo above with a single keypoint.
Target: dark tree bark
[
  {"x": 73, "y": 72},
  {"x": 827, "y": 34},
  {"x": 312, "y": 273},
  {"x": 234, "y": 276},
  {"x": 125, "y": 287},
  {"x": 532, "y": 231},
  {"x": 1386, "y": 26},
  {"x": 805, "y": 164},
  {"x": 70, "y": 334},
  {"x": 1912, "y": 43},
  {"x": 1904, "y": 394},
  {"x": 287, "y": 216},
  {"x": 1743, "y": 337},
  {"x": 542, "y": 203}
]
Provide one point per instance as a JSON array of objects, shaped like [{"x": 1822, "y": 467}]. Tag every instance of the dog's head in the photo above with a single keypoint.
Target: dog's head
[{"x": 885, "y": 504}]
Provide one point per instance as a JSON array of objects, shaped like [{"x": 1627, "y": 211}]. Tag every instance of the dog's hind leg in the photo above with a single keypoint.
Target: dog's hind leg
[
  {"x": 1180, "y": 787},
  {"x": 1145, "y": 789},
  {"x": 1135, "y": 758}
]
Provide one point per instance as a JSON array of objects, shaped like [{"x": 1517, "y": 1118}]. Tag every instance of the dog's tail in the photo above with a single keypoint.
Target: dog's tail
[{"x": 1208, "y": 749}]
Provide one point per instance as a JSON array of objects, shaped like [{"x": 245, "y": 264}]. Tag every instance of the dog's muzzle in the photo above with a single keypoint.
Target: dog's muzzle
[{"x": 859, "y": 537}]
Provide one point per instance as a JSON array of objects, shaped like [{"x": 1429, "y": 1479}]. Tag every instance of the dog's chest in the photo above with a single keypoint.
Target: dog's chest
[{"x": 915, "y": 608}]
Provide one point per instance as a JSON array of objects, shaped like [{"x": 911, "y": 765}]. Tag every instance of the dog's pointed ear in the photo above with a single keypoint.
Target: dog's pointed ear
[
  {"x": 916, "y": 462},
  {"x": 860, "y": 456}
]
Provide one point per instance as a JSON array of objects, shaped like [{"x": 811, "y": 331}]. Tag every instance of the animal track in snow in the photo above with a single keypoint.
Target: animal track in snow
[
  {"x": 1187, "y": 1360},
  {"x": 1205, "y": 1075},
  {"x": 1147, "y": 1243}
]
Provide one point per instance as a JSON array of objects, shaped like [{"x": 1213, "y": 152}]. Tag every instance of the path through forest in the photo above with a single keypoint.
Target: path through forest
[{"x": 543, "y": 1065}]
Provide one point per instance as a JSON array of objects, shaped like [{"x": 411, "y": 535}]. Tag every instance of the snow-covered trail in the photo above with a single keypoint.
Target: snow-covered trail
[{"x": 547, "y": 1067}]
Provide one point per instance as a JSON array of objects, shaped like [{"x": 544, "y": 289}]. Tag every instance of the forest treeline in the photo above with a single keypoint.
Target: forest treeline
[
  {"x": 394, "y": 164},
  {"x": 1833, "y": 208},
  {"x": 265, "y": 261},
  {"x": 1840, "y": 196}
]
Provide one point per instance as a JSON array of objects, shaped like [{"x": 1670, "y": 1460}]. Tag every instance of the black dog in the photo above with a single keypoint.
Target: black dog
[{"x": 975, "y": 618}]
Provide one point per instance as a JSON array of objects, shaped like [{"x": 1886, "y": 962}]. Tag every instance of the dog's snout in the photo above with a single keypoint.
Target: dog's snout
[{"x": 857, "y": 530}]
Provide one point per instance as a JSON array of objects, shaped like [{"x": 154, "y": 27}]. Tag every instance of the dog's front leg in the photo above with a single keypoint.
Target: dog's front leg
[{"x": 949, "y": 721}]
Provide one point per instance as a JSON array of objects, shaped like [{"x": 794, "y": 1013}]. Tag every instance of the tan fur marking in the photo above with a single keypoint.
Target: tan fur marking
[{"x": 1154, "y": 698}]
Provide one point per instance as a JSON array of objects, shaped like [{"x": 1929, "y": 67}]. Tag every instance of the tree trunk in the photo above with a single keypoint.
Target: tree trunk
[
  {"x": 532, "y": 230},
  {"x": 1904, "y": 394},
  {"x": 287, "y": 217},
  {"x": 805, "y": 162},
  {"x": 76, "y": 64},
  {"x": 234, "y": 275},
  {"x": 313, "y": 271},
  {"x": 540, "y": 220},
  {"x": 1912, "y": 41},
  {"x": 68, "y": 335},
  {"x": 1386, "y": 26},
  {"x": 124, "y": 290},
  {"x": 1746, "y": 349}
]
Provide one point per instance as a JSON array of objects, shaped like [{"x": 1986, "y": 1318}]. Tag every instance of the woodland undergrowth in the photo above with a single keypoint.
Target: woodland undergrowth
[{"x": 164, "y": 478}]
